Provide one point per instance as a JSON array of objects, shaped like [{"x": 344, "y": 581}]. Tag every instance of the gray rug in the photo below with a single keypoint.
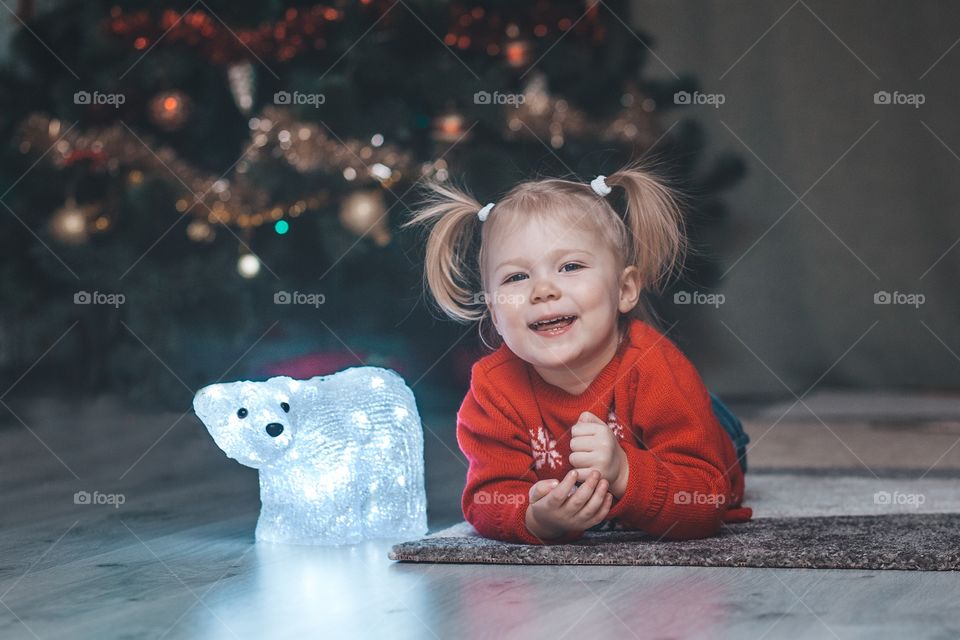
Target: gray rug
[{"x": 913, "y": 542}]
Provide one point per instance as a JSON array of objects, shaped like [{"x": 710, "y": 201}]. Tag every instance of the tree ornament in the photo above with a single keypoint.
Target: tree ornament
[
  {"x": 200, "y": 231},
  {"x": 517, "y": 53},
  {"x": 169, "y": 110},
  {"x": 363, "y": 213},
  {"x": 448, "y": 127}
]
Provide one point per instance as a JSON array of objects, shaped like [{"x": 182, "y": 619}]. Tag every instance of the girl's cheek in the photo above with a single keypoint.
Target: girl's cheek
[{"x": 510, "y": 313}]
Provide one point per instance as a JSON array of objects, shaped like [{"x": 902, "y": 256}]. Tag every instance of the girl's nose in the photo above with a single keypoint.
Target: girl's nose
[{"x": 544, "y": 289}]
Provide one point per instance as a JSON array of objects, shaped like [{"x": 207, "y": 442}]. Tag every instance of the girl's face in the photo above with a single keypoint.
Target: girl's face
[{"x": 541, "y": 272}]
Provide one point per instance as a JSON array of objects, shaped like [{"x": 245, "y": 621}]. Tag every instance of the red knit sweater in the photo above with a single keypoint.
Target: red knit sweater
[{"x": 514, "y": 429}]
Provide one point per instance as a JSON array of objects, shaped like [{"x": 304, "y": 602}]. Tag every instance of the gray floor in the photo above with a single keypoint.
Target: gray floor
[{"x": 177, "y": 558}]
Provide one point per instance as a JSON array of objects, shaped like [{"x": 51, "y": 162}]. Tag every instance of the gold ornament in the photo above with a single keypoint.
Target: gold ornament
[
  {"x": 200, "y": 231},
  {"x": 364, "y": 212}
]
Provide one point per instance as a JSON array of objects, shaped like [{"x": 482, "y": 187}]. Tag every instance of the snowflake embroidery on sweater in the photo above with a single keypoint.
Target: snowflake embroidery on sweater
[
  {"x": 615, "y": 425},
  {"x": 544, "y": 449}
]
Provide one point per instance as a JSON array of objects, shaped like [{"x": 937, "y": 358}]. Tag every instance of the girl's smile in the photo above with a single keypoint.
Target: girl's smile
[{"x": 555, "y": 326}]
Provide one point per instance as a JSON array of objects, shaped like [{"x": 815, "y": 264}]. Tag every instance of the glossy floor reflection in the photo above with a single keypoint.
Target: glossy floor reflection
[{"x": 177, "y": 558}]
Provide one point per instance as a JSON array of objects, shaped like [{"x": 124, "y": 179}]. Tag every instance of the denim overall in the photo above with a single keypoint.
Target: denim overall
[{"x": 734, "y": 429}]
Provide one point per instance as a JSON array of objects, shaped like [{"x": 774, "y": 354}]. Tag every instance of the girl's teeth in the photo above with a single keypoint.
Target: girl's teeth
[{"x": 555, "y": 325}]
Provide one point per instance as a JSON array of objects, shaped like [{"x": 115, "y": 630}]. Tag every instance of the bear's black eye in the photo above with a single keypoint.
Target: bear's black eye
[
  {"x": 241, "y": 413},
  {"x": 285, "y": 407}
]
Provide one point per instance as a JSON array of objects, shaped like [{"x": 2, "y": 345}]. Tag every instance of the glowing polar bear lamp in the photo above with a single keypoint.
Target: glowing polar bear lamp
[{"x": 340, "y": 456}]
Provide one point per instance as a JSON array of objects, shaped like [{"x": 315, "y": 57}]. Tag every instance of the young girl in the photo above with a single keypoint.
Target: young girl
[{"x": 582, "y": 389}]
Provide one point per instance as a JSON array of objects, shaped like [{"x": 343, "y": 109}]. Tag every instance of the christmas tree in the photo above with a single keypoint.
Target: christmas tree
[{"x": 207, "y": 190}]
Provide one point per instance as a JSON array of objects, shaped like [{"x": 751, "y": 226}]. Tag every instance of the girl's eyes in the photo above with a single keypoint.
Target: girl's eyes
[{"x": 568, "y": 264}]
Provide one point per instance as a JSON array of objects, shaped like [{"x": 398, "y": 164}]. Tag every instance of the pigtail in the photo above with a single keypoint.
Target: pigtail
[
  {"x": 450, "y": 271},
  {"x": 654, "y": 219}
]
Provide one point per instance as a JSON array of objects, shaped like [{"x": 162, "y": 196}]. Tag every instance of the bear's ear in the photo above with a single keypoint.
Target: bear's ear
[
  {"x": 204, "y": 398},
  {"x": 289, "y": 383}
]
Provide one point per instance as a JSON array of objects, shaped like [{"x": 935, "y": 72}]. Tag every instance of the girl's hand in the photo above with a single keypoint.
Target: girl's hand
[
  {"x": 554, "y": 512},
  {"x": 595, "y": 448}
]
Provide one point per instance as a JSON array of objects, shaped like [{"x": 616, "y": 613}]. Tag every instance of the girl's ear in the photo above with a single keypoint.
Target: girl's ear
[{"x": 630, "y": 287}]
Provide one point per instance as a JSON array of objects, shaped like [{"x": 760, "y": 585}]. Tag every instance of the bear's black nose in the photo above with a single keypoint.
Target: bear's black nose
[{"x": 274, "y": 429}]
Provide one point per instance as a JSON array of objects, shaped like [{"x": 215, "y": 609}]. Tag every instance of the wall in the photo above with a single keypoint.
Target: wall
[{"x": 879, "y": 186}]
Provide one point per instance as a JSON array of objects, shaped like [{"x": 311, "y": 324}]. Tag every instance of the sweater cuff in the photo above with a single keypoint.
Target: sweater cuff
[{"x": 646, "y": 490}]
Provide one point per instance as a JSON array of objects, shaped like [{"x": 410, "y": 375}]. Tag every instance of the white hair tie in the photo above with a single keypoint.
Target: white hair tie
[
  {"x": 599, "y": 186},
  {"x": 484, "y": 212}
]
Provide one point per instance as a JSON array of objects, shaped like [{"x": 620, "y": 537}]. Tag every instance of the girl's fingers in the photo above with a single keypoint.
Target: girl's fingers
[
  {"x": 541, "y": 489},
  {"x": 582, "y": 443},
  {"x": 581, "y": 459},
  {"x": 584, "y": 472},
  {"x": 584, "y": 492},
  {"x": 593, "y": 505},
  {"x": 583, "y": 429},
  {"x": 600, "y": 515},
  {"x": 562, "y": 490},
  {"x": 604, "y": 508}
]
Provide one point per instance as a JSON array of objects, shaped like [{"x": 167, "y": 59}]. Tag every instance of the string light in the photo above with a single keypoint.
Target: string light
[{"x": 248, "y": 265}]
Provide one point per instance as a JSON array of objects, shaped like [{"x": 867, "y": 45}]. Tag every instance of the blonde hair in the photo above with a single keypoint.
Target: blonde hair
[{"x": 650, "y": 235}]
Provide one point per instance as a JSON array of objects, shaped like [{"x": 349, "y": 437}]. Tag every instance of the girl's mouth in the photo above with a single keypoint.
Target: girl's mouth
[{"x": 553, "y": 327}]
